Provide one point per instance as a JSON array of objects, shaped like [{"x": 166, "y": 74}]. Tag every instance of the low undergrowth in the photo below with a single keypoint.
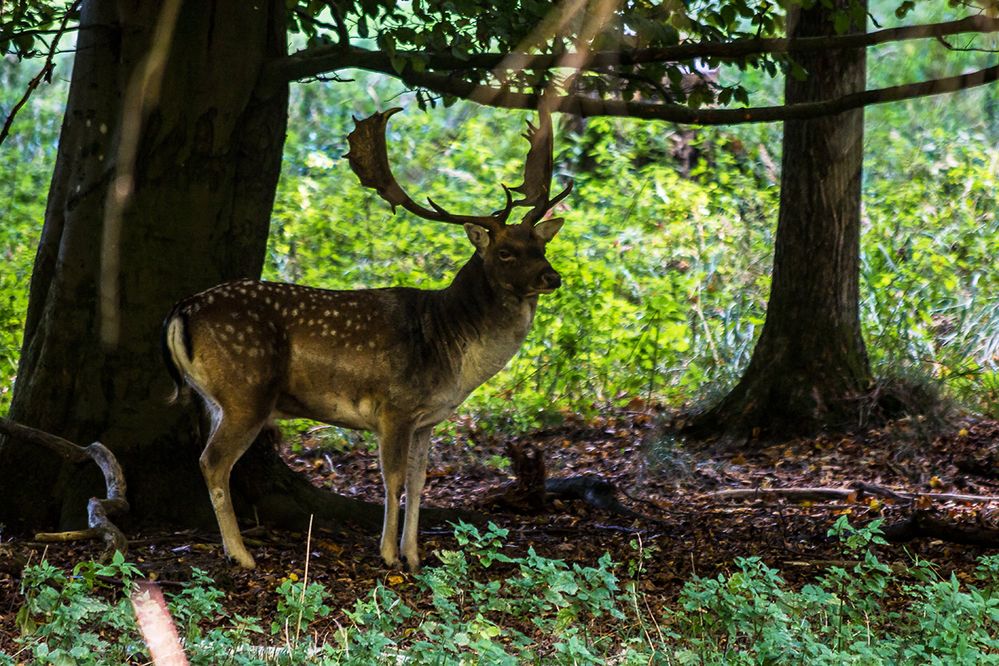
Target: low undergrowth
[{"x": 481, "y": 605}]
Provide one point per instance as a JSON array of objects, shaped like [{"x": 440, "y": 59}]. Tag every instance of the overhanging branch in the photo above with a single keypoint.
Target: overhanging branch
[
  {"x": 678, "y": 113},
  {"x": 318, "y": 60}
]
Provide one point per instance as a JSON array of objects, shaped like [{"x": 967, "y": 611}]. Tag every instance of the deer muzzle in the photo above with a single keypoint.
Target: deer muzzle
[{"x": 550, "y": 281}]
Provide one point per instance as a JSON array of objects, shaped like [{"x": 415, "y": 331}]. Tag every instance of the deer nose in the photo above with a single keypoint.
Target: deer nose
[{"x": 551, "y": 280}]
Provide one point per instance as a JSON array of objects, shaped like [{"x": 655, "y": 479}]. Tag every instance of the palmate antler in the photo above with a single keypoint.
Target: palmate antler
[
  {"x": 368, "y": 158},
  {"x": 538, "y": 170}
]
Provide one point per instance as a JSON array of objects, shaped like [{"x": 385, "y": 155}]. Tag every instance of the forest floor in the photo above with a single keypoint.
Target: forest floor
[{"x": 687, "y": 528}]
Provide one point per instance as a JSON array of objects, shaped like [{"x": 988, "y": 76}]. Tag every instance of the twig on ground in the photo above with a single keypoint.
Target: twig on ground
[
  {"x": 854, "y": 491},
  {"x": 796, "y": 494}
]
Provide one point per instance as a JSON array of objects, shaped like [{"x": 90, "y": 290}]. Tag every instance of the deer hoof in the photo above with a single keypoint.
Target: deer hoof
[
  {"x": 244, "y": 560},
  {"x": 412, "y": 565}
]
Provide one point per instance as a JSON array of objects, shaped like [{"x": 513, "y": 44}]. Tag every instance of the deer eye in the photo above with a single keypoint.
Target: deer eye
[{"x": 504, "y": 255}]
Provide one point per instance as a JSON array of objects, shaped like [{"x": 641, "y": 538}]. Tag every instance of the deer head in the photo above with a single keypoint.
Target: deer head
[{"x": 513, "y": 255}]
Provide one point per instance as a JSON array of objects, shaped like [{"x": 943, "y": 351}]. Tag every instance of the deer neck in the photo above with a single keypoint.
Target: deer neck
[
  {"x": 476, "y": 309},
  {"x": 480, "y": 327}
]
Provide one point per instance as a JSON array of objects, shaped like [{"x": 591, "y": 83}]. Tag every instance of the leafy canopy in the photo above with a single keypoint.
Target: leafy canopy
[{"x": 666, "y": 52}]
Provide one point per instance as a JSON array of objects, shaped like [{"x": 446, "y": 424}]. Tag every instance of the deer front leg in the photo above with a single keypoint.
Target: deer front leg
[
  {"x": 416, "y": 476},
  {"x": 393, "y": 451},
  {"x": 230, "y": 439}
]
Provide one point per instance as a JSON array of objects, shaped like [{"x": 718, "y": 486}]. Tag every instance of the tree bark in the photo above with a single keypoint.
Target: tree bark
[
  {"x": 809, "y": 371},
  {"x": 206, "y": 173}
]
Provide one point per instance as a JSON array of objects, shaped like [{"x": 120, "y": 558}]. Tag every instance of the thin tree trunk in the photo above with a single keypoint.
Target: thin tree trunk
[{"x": 809, "y": 371}]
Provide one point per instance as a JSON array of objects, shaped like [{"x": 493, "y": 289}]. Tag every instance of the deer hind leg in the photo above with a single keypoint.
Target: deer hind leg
[
  {"x": 416, "y": 477},
  {"x": 232, "y": 435},
  {"x": 393, "y": 451}
]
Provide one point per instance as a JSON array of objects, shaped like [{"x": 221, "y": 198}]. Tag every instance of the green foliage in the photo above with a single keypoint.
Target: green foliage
[
  {"x": 195, "y": 605},
  {"x": 436, "y": 35},
  {"x": 666, "y": 275},
  {"x": 483, "y": 621},
  {"x": 484, "y": 605},
  {"x": 66, "y": 619},
  {"x": 26, "y": 159},
  {"x": 299, "y": 604},
  {"x": 25, "y": 24},
  {"x": 751, "y": 616}
]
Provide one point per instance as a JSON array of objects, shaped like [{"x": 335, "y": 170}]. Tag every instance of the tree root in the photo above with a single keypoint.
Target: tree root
[
  {"x": 532, "y": 491},
  {"x": 98, "y": 509}
]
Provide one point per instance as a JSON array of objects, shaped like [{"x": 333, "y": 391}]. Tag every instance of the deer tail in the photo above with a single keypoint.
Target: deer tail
[{"x": 177, "y": 352}]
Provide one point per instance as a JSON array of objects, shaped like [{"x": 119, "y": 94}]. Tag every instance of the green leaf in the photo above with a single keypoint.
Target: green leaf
[{"x": 841, "y": 22}]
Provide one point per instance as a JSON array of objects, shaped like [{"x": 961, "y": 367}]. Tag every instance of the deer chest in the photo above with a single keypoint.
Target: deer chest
[{"x": 486, "y": 355}]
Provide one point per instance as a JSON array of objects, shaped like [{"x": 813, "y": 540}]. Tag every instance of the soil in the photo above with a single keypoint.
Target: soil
[{"x": 689, "y": 531}]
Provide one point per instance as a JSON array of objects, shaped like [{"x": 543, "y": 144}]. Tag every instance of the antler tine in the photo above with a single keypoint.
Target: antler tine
[
  {"x": 368, "y": 157},
  {"x": 558, "y": 197},
  {"x": 504, "y": 213}
]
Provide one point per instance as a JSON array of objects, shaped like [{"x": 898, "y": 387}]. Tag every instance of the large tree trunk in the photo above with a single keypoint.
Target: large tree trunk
[
  {"x": 809, "y": 370},
  {"x": 206, "y": 172}
]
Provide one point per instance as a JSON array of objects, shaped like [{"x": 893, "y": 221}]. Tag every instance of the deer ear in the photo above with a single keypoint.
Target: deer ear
[
  {"x": 478, "y": 235},
  {"x": 547, "y": 229}
]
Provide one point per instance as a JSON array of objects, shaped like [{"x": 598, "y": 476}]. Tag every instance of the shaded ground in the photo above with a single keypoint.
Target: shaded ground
[{"x": 691, "y": 531}]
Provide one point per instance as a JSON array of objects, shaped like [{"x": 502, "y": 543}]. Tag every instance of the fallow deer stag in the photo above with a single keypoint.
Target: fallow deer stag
[{"x": 395, "y": 361}]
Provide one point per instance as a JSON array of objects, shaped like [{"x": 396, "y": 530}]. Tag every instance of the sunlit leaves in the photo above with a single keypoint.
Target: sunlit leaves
[
  {"x": 26, "y": 26},
  {"x": 465, "y": 28}
]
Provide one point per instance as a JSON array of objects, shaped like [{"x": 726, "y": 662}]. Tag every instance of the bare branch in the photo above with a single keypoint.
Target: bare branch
[
  {"x": 589, "y": 106},
  {"x": 793, "y": 494},
  {"x": 964, "y": 49},
  {"x": 339, "y": 27},
  {"x": 45, "y": 74}
]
